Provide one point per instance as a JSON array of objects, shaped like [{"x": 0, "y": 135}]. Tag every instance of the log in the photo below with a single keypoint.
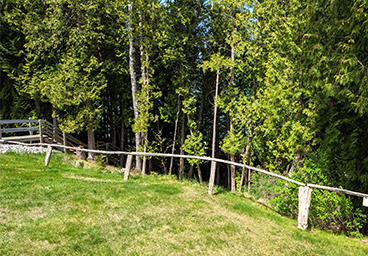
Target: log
[
  {"x": 128, "y": 166},
  {"x": 48, "y": 155},
  {"x": 305, "y": 195}
]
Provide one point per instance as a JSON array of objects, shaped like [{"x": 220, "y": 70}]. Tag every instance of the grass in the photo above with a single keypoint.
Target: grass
[{"x": 66, "y": 210}]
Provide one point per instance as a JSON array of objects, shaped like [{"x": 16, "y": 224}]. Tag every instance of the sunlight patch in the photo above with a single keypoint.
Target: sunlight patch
[{"x": 90, "y": 179}]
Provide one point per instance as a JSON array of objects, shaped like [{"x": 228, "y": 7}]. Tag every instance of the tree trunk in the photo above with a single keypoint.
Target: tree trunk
[
  {"x": 133, "y": 80},
  {"x": 214, "y": 164},
  {"x": 233, "y": 173},
  {"x": 199, "y": 174},
  {"x": 190, "y": 173},
  {"x": 150, "y": 165},
  {"x": 54, "y": 118},
  {"x": 232, "y": 157},
  {"x": 91, "y": 143},
  {"x": 174, "y": 139},
  {"x": 37, "y": 105},
  {"x": 181, "y": 167},
  {"x": 144, "y": 158},
  {"x": 122, "y": 143},
  {"x": 245, "y": 173}
]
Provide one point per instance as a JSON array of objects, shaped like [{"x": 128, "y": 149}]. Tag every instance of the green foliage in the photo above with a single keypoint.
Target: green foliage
[
  {"x": 328, "y": 210},
  {"x": 234, "y": 142},
  {"x": 101, "y": 161},
  {"x": 193, "y": 145},
  {"x": 263, "y": 186}
]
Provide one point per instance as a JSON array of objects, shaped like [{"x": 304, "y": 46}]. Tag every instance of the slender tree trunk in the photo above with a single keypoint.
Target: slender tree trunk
[
  {"x": 133, "y": 80},
  {"x": 233, "y": 173},
  {"x": 122, "y": 143},
  {"x": 150, "y": 165},
  {"x": 107, "y": 95},
  {"x": 248, "y": 171},
  {"x": 232, "y": 157},
  {"x": 214, "y": 164},
  {"x": 218, "y": 164},
  {"x": 190, "y": 173},
  {"x": 244, "y": 171},
  {"x": 200, "y": 114},
  {"x": 199, "y": 174},
  {"x": 144, "y": 158},
  {"x": 174, "y": 139},
  {"x": 181, "y": 166}
]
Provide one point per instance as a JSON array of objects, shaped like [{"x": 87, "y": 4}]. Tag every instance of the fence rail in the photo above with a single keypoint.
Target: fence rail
[
  {"x": 19, "y": 121},
  {"x": 304, "y": 189}
]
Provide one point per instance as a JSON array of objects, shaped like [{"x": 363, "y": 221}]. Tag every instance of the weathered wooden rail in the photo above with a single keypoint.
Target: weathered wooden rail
[{"x": 305, "y": 190}]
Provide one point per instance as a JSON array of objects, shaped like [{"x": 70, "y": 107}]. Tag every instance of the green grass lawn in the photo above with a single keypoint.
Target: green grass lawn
[{"x": 66, "y": 210}]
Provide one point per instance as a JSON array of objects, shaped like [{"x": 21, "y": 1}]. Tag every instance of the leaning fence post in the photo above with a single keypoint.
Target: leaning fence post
[
  {"x": 127, "y": 167},
  {"x": 305, "y": 195},
  {"x": 48, "y": 155}
]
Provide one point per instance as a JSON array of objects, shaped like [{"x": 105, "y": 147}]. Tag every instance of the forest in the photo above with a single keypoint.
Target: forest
[{"x": 277, "y": 84}]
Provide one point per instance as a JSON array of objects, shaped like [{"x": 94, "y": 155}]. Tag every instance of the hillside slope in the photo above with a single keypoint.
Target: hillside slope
[{"x": 66, "y": 210}]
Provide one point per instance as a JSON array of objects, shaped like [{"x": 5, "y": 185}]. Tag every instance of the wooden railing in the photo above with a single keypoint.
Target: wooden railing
[
  {"x": 30, "y": 129},
  {"x": 305, "y": 190},
  {"x": 45, "y": 132}
]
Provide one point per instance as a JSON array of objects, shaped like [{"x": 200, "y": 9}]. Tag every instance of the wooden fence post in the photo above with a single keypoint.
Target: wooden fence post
[
  {"x": 48, "y": 155},
  {"x": 30, "y": 126},
  {"x": 40, "y": 129},
  {"x": 1, "y": 136},
  {"x": 127, "y": 167},
  {"x": 305, "y": 195},
  {"x": 64, "y": 141}
]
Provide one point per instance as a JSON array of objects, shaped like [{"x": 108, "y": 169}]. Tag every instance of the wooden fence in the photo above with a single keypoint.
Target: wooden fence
[
  {"x": 305, "y": 190},
  {"x": 43, "y": 132}
]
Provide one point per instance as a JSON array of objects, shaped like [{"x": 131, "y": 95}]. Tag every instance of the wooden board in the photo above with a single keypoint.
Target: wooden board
[{"x": 22, "y": 138}]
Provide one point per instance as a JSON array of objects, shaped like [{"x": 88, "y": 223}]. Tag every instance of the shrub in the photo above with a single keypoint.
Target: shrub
[{"x": 329, "y": 210}]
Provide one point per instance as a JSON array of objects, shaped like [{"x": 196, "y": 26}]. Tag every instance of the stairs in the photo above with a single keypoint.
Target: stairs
[{"x": 46, "y": 132}]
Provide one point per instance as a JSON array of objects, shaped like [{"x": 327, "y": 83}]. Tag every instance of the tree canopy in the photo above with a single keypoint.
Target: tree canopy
[{"x": 289, "y": 80}]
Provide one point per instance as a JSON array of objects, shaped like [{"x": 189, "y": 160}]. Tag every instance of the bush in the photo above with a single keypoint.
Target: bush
[
  {"x": 263, "y": 186},
  {"x": 329, "y": 210}
]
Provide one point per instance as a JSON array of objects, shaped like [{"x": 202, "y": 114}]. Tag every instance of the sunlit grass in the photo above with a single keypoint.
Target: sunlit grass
[{"x": 64, "y": 210}]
